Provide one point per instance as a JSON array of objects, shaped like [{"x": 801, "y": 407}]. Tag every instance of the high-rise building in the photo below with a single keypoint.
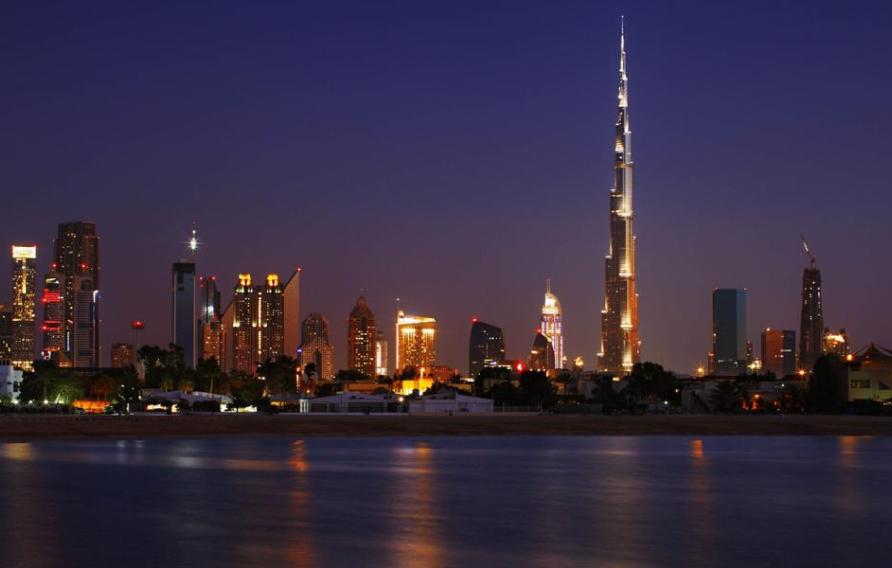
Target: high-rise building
[
  {"x": 243, "y": 333},
  {"x": 361, "y": 336},
  {"x": 620, "y": 344},
  {"x": 209, "y": 298},
  {"x": 729, "y": 331},
  {"x": 779, "y": 351},
  {"x": 183, "y": 319},
  {"x": 542, "y": 354},
  {"x": 315, "y": 346},
  {"x": 122, "y": 355},
  {"x": 486, "y": 347},
  {"x": 292, "y": 314},
  {"x": 552, "y": 326},
  {"x": 209, "y": 333},
  {"x": 227, "y": 338},
  {"x": 53, "y": 315},
  {"x": 251, "y": 330},
  {"x": 5, "y": 332},
  {"x": 76, "y": 260},
  {"x": 381, "y": 354},
  {"x": 85, "y": 349},
  {"x": 837, "y": 343},
  {"x": 24, "y": 305},
  {"x": 811, "y": 326},
  {"x": 416, "y": 341},
  {"x": 270, "y": 313}
]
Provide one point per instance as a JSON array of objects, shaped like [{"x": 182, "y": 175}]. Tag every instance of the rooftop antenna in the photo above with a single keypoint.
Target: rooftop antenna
[
  {"x": 808, "y": 252},
  {"x": 193, "y": 241}
]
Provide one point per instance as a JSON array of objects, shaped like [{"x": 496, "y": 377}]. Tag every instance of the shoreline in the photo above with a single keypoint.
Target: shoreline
[{"x": 54, "y": 427}]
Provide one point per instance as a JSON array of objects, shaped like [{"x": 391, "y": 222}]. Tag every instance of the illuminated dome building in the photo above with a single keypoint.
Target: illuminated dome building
[{"x": 551, "y": 326}]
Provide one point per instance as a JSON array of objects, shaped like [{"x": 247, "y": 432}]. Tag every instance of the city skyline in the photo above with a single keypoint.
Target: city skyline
[{"x": 756, "y": 249}]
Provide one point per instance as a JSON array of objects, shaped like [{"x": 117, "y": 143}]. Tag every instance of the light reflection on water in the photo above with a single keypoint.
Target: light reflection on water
[{"x": 532, "y": 501}]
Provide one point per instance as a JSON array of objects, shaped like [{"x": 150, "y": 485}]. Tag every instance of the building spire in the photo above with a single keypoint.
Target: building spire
[
  {"x": 548, "y": 285},
  {"x": 193, "y": 241},
  {"x": 623, "y": 78}
]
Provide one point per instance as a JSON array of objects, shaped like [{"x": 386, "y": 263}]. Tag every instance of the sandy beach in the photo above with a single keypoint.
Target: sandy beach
[{"x": 29, "y": 427}]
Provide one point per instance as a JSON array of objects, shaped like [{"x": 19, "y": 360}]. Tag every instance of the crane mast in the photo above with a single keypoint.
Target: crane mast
[{"x": 808, "y": 252}]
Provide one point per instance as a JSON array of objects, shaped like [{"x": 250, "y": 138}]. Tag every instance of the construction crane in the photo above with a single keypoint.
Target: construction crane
[{"x": 808, "y": 252}]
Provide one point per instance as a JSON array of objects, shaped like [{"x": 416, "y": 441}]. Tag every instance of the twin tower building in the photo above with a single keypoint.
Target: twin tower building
[{"x": 262, "y": 323}]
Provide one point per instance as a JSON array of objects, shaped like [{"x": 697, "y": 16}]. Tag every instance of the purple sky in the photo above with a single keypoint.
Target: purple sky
[{"x": 457, "y": 154}]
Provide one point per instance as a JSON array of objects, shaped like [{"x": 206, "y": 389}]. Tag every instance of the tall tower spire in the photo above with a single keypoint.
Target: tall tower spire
[
  {"x": 620, "y": 345},
  {"x": 193, "y": 242}
]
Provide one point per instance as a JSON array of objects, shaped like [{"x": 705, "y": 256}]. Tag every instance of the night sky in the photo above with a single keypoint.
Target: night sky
[{"x": 456, "y": 154}]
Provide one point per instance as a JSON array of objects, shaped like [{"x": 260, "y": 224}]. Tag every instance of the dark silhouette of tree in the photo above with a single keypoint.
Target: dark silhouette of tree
[
  {"x": 504, "y": 394},
  {"x": 247, "y": 391},
  {"x": 350, "y": 376},
  {"x": 207, "y": 374},
  {"x": 826, "y": 386},
  {"x": 604, "y": 393},
  {"x": 536, "y": 390},
  {"x": 326, "y": 388},
  {"x": 280, "y": 376},
  {"x": 792, "y": 400},
  {"x": 104, "y": 387},
  {"x": 650, "y": 383},
  {"x": 408, "y": 373},
  {"x": 727, "y": 397}
]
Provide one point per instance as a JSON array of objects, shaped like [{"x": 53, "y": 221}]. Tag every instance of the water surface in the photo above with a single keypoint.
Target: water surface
[{"x": 476, "y": 501}]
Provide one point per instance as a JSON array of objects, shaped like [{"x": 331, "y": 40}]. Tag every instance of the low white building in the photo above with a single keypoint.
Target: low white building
[
  {"x": 157, "y": 396},
  {"x": 450, "y": 403},
  {"x": 353, "y": 402},
  {"x": 10, "y": 383}
]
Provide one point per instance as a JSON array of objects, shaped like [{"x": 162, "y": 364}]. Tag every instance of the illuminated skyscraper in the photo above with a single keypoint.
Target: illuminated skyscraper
[
  {"x": 183, "y": 318},
  {"x": 779, "y": 352},
  {"x": 486, "y": 347},
  {"x": 270, "y": 310},
  {"x": 837, "y": 343},
  {"x": 315, "y": 347},
  {"x": 53, "y": 334},
  {"x": 416, "y": 341},
  {"x": 361, "y": 336},
  {"x": 811, "y": 326},
  {"x": 84, "y": 335},
  {"x": 227, "y": 338},
  {"x": 729, "y": 331},
  {"x": 76, "y": 260},
  {"x": 381, "y": 354},
  {"x": 184, "y": 321},
  {"x": 292, "y": 314},
  {"x": 243, "y": 353},
  {"x": 551, "y": 325},
  {"x": 24, "y": 297},
  {"x": 620, "y": 345},
  {"x": 209, "y": 332},
  {"x": 5, "y": 332}
]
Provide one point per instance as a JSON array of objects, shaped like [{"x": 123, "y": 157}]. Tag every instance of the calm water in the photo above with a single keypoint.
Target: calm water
[{"x": 506, "y": 501}]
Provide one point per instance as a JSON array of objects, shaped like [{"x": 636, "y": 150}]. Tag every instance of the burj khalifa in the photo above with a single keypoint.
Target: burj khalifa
[{"x": 620, "y": 344}]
